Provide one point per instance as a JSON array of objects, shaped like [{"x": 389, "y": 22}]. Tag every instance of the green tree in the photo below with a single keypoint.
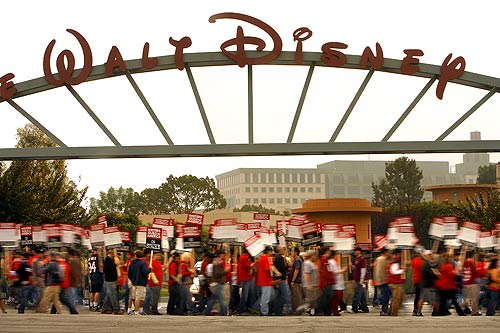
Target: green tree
[
  {"x": 189, "y": 193},
  {"x": 156, "y": 201},
  {"x": 484, "y": 209},
  {"x": 257, "y": 209},
  {"x": 401, "y": 185},
  {"x": 121, "y": 200},
  {"x": 487, "y": 174},
  {"x": 32, "y": 192}
]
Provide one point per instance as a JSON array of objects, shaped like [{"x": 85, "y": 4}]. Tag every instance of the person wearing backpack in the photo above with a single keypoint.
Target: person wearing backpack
[{"x": 53, "y": 282}]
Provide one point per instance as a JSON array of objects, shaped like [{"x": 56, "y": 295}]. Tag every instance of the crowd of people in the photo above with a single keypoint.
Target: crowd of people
[{"x": 279, "y": 282}]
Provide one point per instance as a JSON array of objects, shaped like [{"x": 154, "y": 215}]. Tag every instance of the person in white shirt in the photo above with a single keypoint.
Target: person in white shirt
[{"x": 338, "y": 287}]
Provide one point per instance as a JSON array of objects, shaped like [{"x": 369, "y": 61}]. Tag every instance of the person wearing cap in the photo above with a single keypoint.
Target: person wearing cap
[
  {"x": 264, "y": 280},
  {"x": 359, "y": 276}
]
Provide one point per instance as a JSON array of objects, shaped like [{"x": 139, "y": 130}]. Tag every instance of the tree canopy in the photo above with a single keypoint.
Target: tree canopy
[
  {"x": 401, "y": 185},
  {"x": 35, "y": 192},
  {"x": 177, "y": 195},
  {"x": 487, "y": 174}
]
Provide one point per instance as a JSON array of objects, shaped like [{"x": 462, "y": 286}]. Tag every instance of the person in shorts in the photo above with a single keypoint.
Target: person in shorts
[
  {"x": 138, "y": 272},
  {"x": 96, "y": 279}
]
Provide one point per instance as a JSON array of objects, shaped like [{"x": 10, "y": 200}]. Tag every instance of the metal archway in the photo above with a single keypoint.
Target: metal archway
[{"x": 310, "y": 59}]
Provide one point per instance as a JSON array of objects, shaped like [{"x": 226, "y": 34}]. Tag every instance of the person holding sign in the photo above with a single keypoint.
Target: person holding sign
[
  {"x": 154, "y": 284},
  {"x": 395, "y": 280},
  {"x": 265, "y": 279},
  {"x": 138, "y": 273},
  {"x": 470, "y": 288}
]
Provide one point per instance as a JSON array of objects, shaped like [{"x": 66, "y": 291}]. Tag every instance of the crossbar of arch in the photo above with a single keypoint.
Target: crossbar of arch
[{"x": 385, "y": 145}]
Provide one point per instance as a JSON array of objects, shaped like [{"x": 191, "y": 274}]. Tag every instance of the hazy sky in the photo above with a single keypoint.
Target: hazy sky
[{"x": 436, "y": 27}]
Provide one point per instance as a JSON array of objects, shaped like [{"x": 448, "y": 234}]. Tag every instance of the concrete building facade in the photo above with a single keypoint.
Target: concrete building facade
[{"x": 280, "y": 189}]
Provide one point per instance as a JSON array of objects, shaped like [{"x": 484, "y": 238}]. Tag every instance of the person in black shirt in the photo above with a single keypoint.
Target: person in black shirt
[
  {"x": 111, "y": 304},
  {"x": 23, "y": 283},
  {"x": 282, "y": 302}
]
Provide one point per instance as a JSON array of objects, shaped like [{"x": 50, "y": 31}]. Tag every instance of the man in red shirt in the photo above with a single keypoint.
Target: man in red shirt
[
  {"x": 245, "y": 280},
  {"x": 154, "y": 283},
  {"x": 417, "y": 264},
  {"x": 173, "y": 284},
  {"x": 264, "y": 279},
  {"x": 359, "y": 269}
]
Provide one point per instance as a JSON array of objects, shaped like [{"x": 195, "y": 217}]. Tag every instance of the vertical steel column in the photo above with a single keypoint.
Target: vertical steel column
[{"x": 250, "y": 104}]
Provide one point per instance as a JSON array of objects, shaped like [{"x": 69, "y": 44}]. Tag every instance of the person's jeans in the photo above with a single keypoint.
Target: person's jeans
[
  {"x": 155, "y": 298},
  {"x": 218, "y": 295},
  {"x": 75, "y": 295},
  {"x": 359, "y": 298},
  {"x": 493, "y": 301},
  {"x": 173, "y": 299},
  {"x": 146, "y": 305},
  {"x": 265, "y": 299},
  {"x": 385, "y": 293},
  {"x": 247, "y": 290},
  {"x": 376, "y": 296},
  {"x": 283, "y": 297},
  {"x": 22, "y": 293},
  {"x": 65, "y": 300},
  {"x": 234, "y": 299},
  {"x": 111, "y": 298},
  {"x": 418, "y": 292},
  {"x": 186, "y": 303}
]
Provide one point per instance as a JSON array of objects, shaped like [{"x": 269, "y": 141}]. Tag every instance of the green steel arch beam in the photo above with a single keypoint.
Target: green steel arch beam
[{"x": 311, "y": 59}]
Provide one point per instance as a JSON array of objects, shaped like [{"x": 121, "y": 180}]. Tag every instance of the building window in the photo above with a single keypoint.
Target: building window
[
  {"x": 272, "y": 178},
  {"x": 279, "y": 200},
  {"x": 295, "y": 200},
  {"x": 279, "y": 189},
  {"x": 287, "y": 190},
  {"x": 318, "y": 189},
  {"x": 256, "y": 201},
  {"x": 271, "y": 201},
  {"x": 302, "y": 178},
  {"x": 310, "y": 190},
  {"x": 256, "y": 190},
  {"x": 436, "y": 197},
  {"x": 287, "y": 200},
  {"x": 271, "y": 190},
  {"x": 302, "y": 190},
  {"x": 294, "y": 190},
  {"x": 264, "y": 200},
  {"x": 247, "y": 189},
  {"x": 263, "y": 189}
]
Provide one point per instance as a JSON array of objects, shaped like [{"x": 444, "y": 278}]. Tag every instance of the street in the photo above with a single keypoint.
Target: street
[{"x": 368, "y": 322}]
